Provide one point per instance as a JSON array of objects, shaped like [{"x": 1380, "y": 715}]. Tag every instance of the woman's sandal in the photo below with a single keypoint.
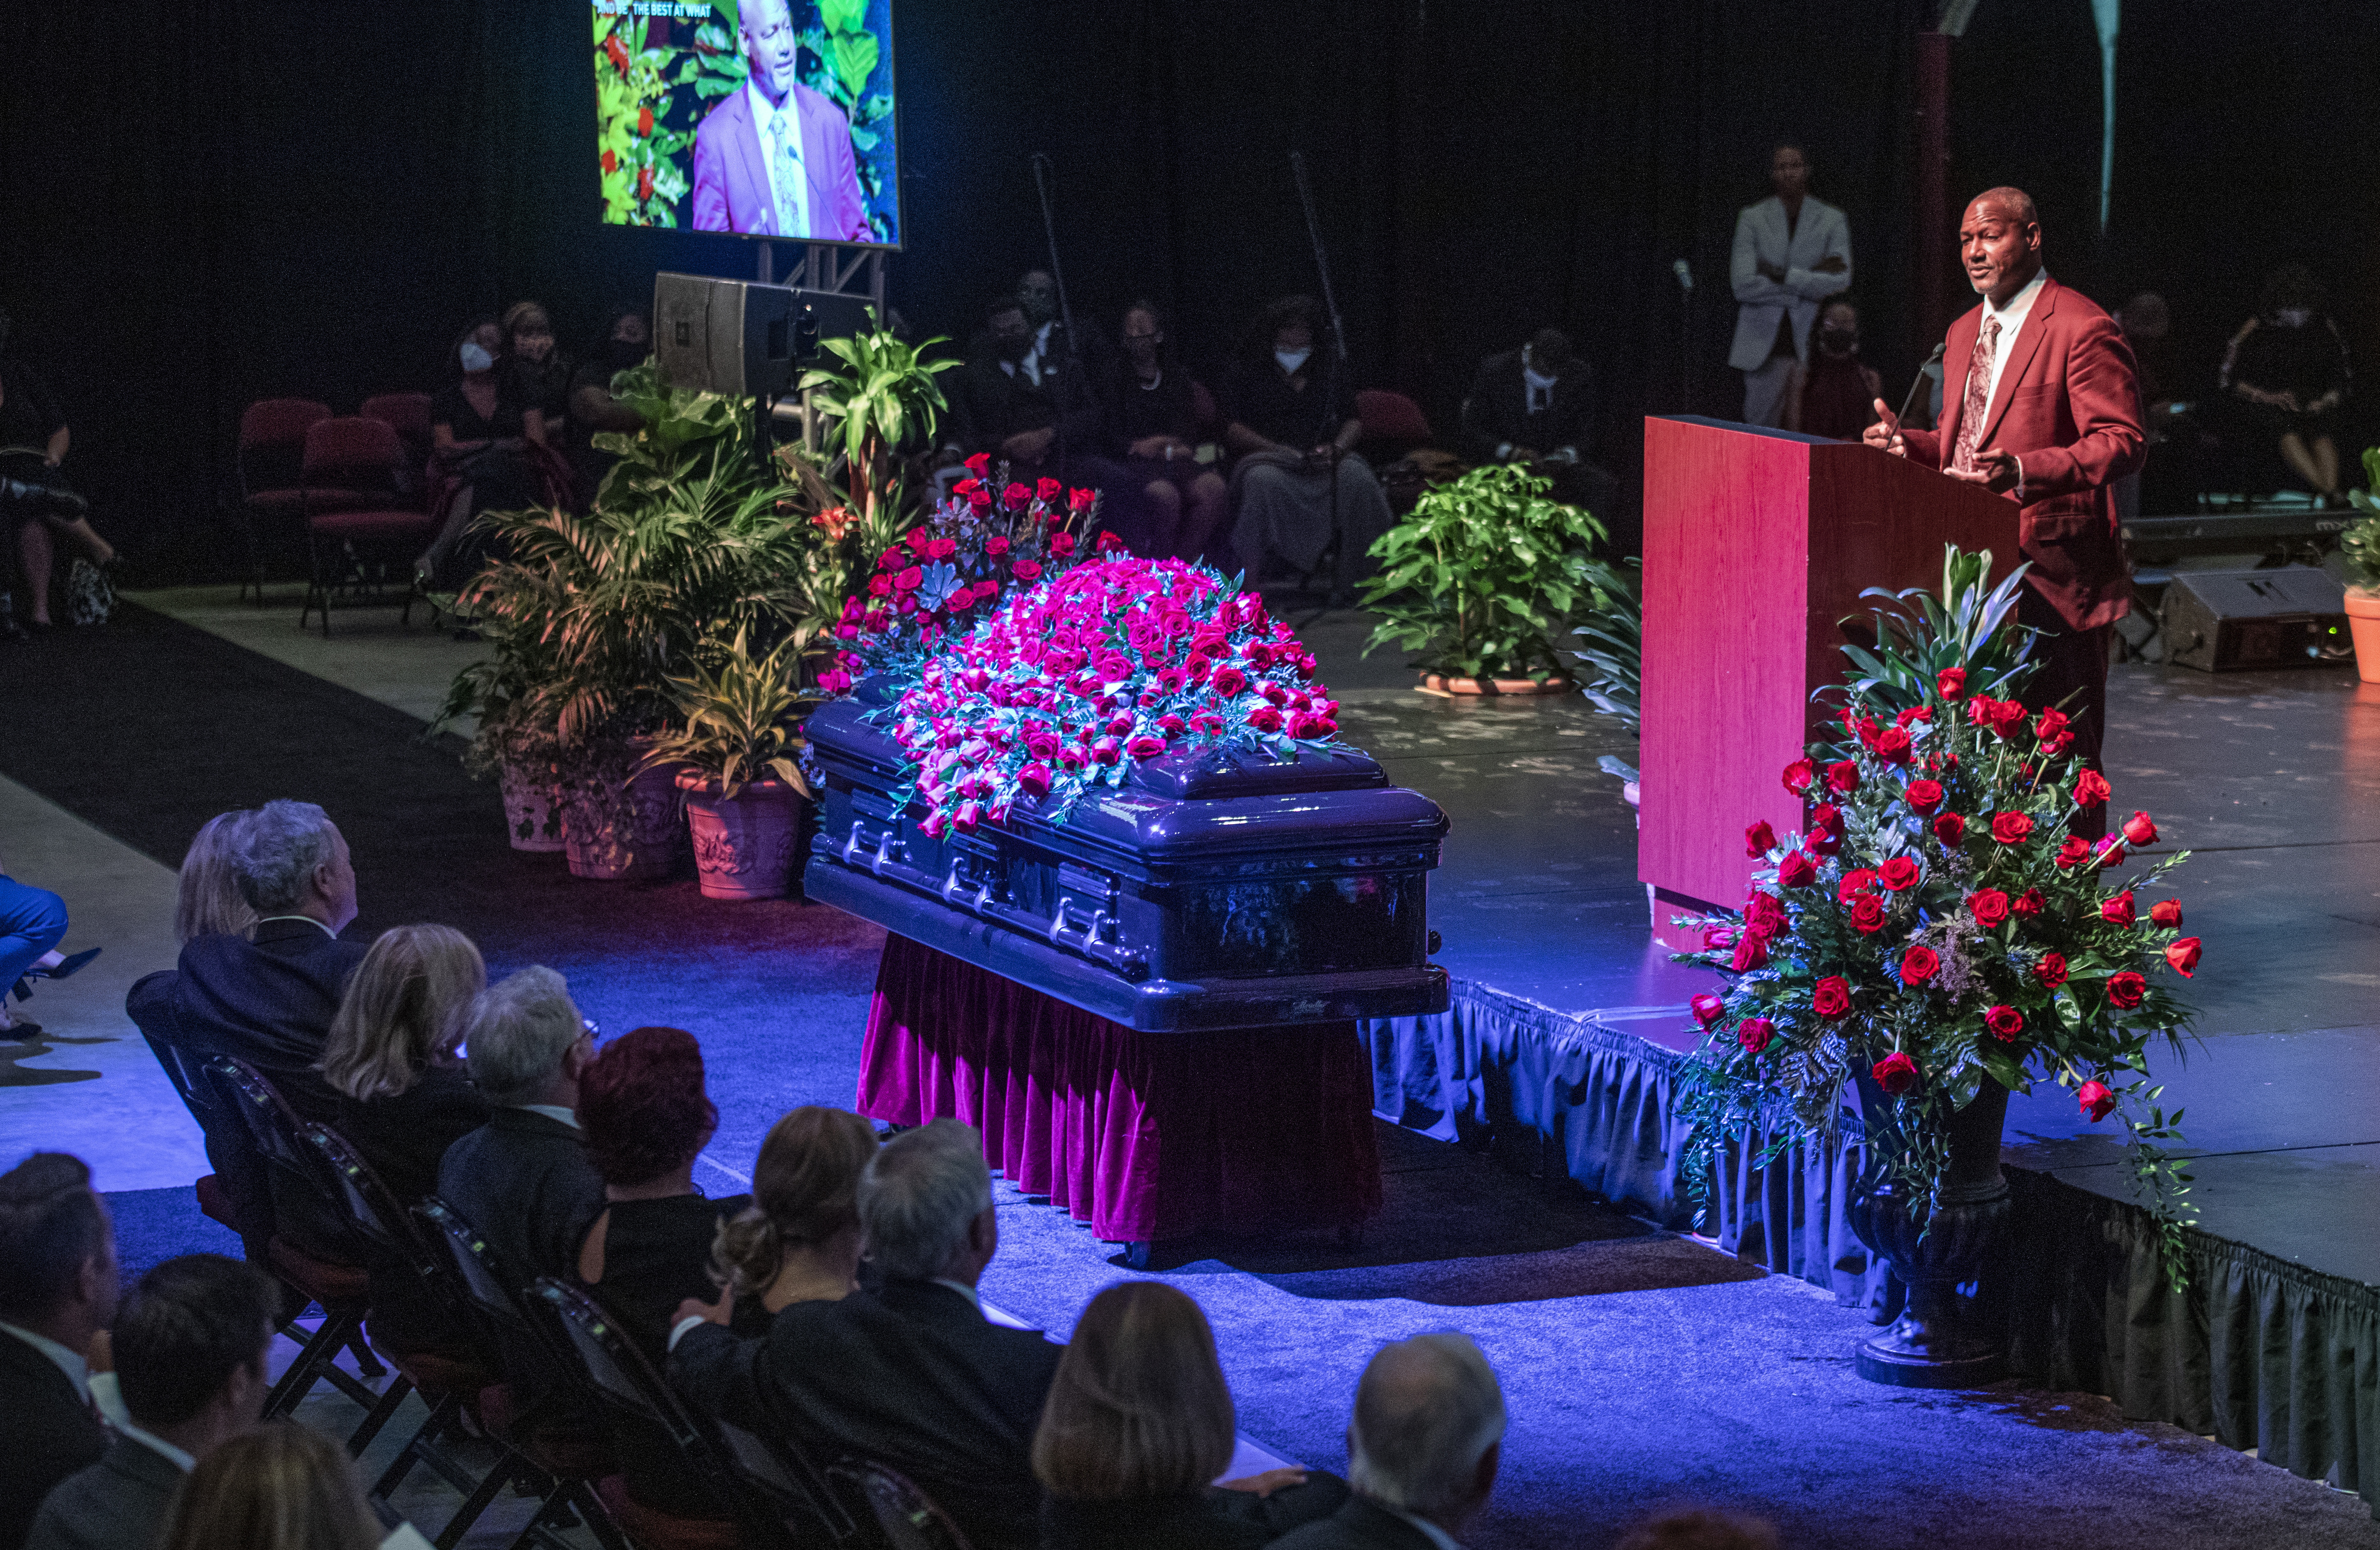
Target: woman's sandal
[{"x": 65, "y": 968}]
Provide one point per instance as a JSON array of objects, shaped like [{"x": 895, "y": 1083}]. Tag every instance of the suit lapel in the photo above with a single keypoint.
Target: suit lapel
[
  {"x": 756, "y": 165},
  {"x": 2028, "y": 342},
  {"x": 1959, "y": 345},
  {"x": 814, "y": 159}
]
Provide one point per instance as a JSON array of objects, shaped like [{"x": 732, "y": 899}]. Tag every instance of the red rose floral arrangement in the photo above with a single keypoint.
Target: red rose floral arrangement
[{"x": 1938, "y": 924}]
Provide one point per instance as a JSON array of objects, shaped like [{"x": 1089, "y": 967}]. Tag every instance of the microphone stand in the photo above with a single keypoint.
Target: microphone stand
[
  {"x": 1042, "y": 180},
  {"x": 1923, "y": 372},
  {"x": 1336, "y": 365}
]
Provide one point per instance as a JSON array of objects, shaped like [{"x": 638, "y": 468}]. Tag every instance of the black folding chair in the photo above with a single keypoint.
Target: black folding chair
[
  {"x": 787, "y": 1481},
  {"x": 908, "y": 1517}
]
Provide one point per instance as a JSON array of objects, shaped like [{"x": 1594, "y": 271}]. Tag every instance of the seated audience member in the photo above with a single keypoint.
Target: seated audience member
[
  {"x": 1292, "y": 424},
  {"x": 912, "y": 1375},
  {"x": 1034, "y": 412},
  {"x": 1037, "y": 292},
  {"x": 623, "y": 344},
  {"x": 1833, "y": 392},
  {"x": 279, "y": 1487},
  {"x": 1535, "y": 405},
  {"x": 540, "y": 372},
  {"x": 2288, "y": 371},
  {"x": 1174, "y": 504},
  {"x": 799, "y": 1242},
  {"x": 30, "y": 419},
  {"x": 480, "y": 429},
  {"x": 524, "y": 1178},
  {"x": 270, "y": 1000},
  {"x": 207, "y": 900},
  {"x": 1138, "y": 1423},
  {"x": 189, "y": 1346},
  {"x": 57, "y": 1290},
  {"x": 1701, "y": 1529},
  {"x": 405, "y": 1097},
  {"x": 1422, "y": 1450}
]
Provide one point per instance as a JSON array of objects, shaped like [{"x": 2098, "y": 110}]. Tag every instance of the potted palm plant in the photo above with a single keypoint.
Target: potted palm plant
[
  {"x": 1614, "y": 658},
  {"x": 2359, "y": 547},
  {"x": 734, "y": 750},
  {"x": 1479, "y": 577}
]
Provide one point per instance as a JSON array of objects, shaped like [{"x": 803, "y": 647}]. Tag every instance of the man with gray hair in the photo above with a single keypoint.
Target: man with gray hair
[
  {"x": 912, "y": 1373},
  {"x": 1422, "y": 1450},
  {"x": 523, "y": 1179},
  {"x": 270, "y": 1000}
]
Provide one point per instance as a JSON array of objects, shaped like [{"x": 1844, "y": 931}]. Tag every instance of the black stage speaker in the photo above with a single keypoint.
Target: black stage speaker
[
  {"x": 742, "y": 338},
  {"x": 2222, "y": 620}
]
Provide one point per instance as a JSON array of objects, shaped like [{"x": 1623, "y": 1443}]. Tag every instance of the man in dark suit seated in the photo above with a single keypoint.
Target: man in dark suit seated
[
  {"x": 911, "y": 1375},
  {"x": 57, "y": 1289},
  {"x": 1422, "y": 1450},
  {"x": 523, "y": 1179},
  {"x": 1535, "y": 405},
  {"x": 1024, "y": 402},
  {"x": 189, "y": 1346}
]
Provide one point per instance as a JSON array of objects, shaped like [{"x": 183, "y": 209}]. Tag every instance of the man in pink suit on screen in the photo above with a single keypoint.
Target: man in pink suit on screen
[{"x": 773, "y": 158}]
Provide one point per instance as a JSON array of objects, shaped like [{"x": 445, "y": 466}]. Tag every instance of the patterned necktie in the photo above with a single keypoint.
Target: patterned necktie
[
  {"x": 785, "y": 166},
  {"x": 1978, "y": 401}
]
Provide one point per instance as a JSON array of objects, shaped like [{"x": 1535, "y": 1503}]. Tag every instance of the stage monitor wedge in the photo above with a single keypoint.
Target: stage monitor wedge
[
  {"x": 2227, "y": 621},
  {"x": 741, "y": 338}
]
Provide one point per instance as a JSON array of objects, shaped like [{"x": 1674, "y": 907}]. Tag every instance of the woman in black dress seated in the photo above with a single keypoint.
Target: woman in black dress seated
[
  {"x": 1179, "y": 502},
  {"x": 481, "y": 429},
  {"x": 647, "y": 1118},
  {"x": 404, "y": 1096},
  {"x": 2286, "y": 371},
  {"x": 799, "y": 1242},
  {"x": 1139, "y": 1422}
]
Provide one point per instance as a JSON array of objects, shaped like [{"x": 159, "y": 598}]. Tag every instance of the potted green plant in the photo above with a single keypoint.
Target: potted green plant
[
  {"x": 1479, "y": 577},
  {"x": 734, "y": 750},
  {"x": 507, "y": 741},
  {"x": 2359, "y": 547},
  {"x": 1614, "y": 658}
]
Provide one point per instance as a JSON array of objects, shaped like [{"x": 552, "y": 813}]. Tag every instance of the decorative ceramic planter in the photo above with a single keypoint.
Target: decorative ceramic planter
[
  {"x": 625, "y": 833},
  {"x": 532, "y": 808},
  {"x": 744, "y": 845},
  {"x": 1939, "y": 1340},
  {"x": 2363, "y": 625},
  {"x": 1445, "y": 686}
]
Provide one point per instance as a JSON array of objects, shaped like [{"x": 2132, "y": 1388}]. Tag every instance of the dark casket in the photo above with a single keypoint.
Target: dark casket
[{"x": 1211, "y": 890}]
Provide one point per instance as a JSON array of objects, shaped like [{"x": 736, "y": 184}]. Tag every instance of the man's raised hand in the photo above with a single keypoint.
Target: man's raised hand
[{"x": 1886, "y": 431}]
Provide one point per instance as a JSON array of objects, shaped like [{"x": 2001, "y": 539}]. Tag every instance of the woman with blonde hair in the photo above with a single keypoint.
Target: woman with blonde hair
[
  {"x": 799, "y": 1242},
  {"x": 207, "y": 898},
  {"x": 1138, "y": 1423},
  {"x": 282, "y": 1487}
]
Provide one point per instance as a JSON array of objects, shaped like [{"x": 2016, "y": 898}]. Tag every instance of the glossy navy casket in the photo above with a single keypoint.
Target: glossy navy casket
[{"x": 1210, "y": 890}]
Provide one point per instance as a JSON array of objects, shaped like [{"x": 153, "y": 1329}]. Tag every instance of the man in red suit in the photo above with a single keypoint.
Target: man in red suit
[{"x": 2047, "y": 413}]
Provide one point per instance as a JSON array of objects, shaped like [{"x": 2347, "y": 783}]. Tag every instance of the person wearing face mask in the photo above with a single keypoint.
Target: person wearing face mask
[
  {"x": 774, "y": 159},
  {"x": 542, "y": 372},
  {"x": 1298, "y": 483},
  {"x": 1034, "y": 411},
  {"x": 1535, "y": 405},
  {"x": 2287, "y": 371},
  {"x": 1791, "y": 253},
  {"x": 481, "y": 435},
  {"x": 625, "y": 343},
  {"x": 1834, "y": 393},
  {"x": 1179, "y": 503}
]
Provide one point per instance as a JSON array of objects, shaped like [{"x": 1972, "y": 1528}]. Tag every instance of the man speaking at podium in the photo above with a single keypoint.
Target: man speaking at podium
[{"x": 2050, "y": 417}]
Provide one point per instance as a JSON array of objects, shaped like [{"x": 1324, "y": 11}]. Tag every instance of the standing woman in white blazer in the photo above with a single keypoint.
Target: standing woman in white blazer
[{"x": 1791, "y": 253}]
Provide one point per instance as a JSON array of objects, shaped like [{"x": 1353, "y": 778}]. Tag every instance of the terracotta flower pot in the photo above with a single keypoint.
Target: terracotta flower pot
[
  {"x": 532, "y": 808},
  {"x": 2363, "y": 625},
  {"x": 628, "y": 833},
  {"x": 744, "y": 845},
  {"x": 1447, "y": 686}
]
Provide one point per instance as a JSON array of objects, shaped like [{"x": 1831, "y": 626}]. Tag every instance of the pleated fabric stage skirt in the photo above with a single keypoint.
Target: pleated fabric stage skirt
[{"x": 1145, "y": 1136}]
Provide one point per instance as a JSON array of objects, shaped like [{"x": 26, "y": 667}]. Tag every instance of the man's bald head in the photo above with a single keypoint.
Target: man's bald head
[
  {"x": 2000, "y": 243},
  {"x": 2014, "y": 203},
  {"x": 1430, "y": 1417}
]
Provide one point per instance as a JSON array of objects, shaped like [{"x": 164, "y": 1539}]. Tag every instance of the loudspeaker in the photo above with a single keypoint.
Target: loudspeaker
[
  {"x": 742, "y": 338},
  {"x": 2223, "y": 620}
]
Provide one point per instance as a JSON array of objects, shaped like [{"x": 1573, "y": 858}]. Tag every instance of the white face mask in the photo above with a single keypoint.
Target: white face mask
[
  {"x": 1291, "y": 359},
  {"x": 2294, "y": 316},
  {"x": 1537, "y": 380},
  {"x": 475, "y": 356}
]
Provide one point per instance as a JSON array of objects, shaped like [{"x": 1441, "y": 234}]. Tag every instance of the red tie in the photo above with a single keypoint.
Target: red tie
[{"x": 1978, "y": 401}]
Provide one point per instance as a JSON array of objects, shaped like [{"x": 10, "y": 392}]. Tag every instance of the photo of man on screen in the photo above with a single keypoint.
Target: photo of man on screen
[{"x": 774, "y": 158}]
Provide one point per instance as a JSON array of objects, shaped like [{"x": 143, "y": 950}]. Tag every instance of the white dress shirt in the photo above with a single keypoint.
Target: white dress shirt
[
  {"x": 554, "y": 1111},
  {"x": 790, "y": 195},
  {"x": 308, "y": 920},
  {"x": 1430, "y": 1531}
]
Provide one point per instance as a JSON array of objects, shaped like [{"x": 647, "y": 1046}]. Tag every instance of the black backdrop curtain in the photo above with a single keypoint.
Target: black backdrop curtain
[{"x": 213, "y": 200}]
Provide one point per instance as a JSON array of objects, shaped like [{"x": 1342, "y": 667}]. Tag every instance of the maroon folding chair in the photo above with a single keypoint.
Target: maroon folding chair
[
  {"x": 271, "y": 458},
  {"x": 408, "y": 415},
  {"x": 1392, "y": 418},
  {"x": 364, "y": 523}
]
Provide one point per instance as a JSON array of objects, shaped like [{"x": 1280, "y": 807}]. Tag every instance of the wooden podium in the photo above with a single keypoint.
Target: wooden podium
[{"x": 1757, "y": 545}]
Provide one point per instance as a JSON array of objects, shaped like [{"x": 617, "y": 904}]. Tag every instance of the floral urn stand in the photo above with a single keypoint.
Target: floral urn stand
[{"x": 1940, "y": 1340}]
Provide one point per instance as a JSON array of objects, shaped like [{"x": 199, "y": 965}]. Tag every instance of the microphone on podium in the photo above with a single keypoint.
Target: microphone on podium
[
  {"x": 1931, "y": 361},
  {"x": 1685, "y": 273}
]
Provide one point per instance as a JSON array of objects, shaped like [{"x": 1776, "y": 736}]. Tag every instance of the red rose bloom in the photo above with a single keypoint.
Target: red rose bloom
[
  {"x": 1025, "y": 569},
  {"x": 980, "y": 465},
  {"x": 1831, "y": 996},
  {"x": 1989, "y": 907},
  {"x": 2166, "y": 913},
  {"x": 2004, "y": 1022},
  {"x": 2183, "y": 956},
  {"x": 1867, "y": 914},
  {"x": 2110, "y": 854},
  {"x": 644, "y": 183},
  {"x": 1751, "y": 953},
  {"x": 1764, "y": 912},
  {"x": 1919, "y": 964},
  {"x": 1264, "y": 717},
  {"x": 1896, "y": 1073},
  {"x": 2125, "y": 990},
  {"x": 2074, "y": 851},
  {"x": 2011, "y": 829},
  {"x": 2090, "y": 788},
  {"x": 1046, "y": 489},
  {"x": 2117, "y": 910},
  {"x": 2029, "y": 903},
  {"x": 1949, "y": 829},
  {"x": 1754, "y": 1033},
  {"x": 611, "y": 162},
  {"x": 1855, "y": 882},
  {"x": 1062, "y": 543},
  {"x": 1717, "y": 939},
  {"x": 1951, "y": 682},
  {"x": 2095, "y": 1100},
  {"x": 1707, "y": 1009},
  {"x": 1797, "y": 870},
  {"x": 1843, "y": 776},
  {"x": 1758, "y": 838},
  {"x": 908, "y": 580},
  {"x": 1034, "y": 780},
  {"x": 2051, "y": 726},
  {"x": 1892, "y": 745},
  {"x": 644, "y": 121},
  {"x": 1898, "y": 874},
  {"x": 2050, "y": 970},
  {"x": 2141, "y": 829},
  {"x": 1080, "y": 500},
  {"x": 1797, "y": 776},
  {"x": 1924, "y": 795}
]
